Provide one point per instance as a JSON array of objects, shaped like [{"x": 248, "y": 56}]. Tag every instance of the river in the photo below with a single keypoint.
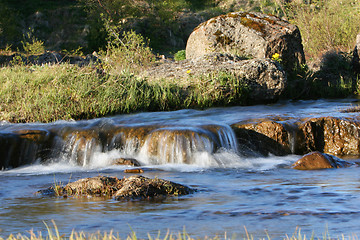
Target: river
[{"x": 234, "y": 192}]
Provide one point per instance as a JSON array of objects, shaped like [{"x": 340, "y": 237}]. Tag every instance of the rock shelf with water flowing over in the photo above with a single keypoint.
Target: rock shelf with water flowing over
[
  {"x": 149, "y": 144},
  {"x": 245, "y": 163},
  {"x": 212, "y": 138}
]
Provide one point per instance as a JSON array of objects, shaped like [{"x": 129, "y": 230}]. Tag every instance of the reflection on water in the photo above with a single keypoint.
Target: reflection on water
[{"x": 277, "y": 200}]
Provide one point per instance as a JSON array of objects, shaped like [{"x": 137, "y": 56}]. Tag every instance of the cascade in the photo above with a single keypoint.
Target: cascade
[{"x": 151, "y": 144}]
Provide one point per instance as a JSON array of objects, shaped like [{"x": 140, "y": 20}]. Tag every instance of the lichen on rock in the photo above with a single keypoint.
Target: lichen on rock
[
  {"x": 248, "y": 34},
  {"x": 131, "y": 188}
]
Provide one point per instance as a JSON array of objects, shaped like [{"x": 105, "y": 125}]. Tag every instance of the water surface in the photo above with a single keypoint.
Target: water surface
[{"x": 261, "y": 194}]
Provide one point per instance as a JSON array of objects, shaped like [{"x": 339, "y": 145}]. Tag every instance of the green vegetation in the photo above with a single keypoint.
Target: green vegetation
[
  {"x": 180, "y": 55},
  {"x": 32, "y": 45},
  {"x": 127, "y": 35},
  {"x": 326, "y": 25},
  {"x": 49, "y": 93}
]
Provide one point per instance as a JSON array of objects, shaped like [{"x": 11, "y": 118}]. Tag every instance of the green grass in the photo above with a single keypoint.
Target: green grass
[{"x": 53, "y": 92}]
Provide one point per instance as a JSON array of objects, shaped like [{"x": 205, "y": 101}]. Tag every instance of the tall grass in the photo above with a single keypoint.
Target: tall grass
[
  {"x": 53, "y": 92},
  {"x": 53, "y": 233},
  {"x": 326, "y": 24}
]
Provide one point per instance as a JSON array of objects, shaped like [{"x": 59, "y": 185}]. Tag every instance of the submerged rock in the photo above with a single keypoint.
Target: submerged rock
[
  {"x": 317, "y": 160},
  {"x": 248, "y": 34},
  {"x": 133, "y": 187}
]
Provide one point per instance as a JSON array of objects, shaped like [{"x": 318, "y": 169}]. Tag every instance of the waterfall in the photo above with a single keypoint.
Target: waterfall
[
  {"x": 149, "y": 144},
  {"x": 184, "y": 145}
]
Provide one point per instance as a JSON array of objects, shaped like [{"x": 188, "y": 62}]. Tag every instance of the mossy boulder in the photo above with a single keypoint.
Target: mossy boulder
[
  {"x": 131, "y": 188},
  {"x": 250, "y": 35}
]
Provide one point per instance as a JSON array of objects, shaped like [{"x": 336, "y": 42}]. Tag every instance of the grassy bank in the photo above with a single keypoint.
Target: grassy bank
[{"x": 49, "y": 93}]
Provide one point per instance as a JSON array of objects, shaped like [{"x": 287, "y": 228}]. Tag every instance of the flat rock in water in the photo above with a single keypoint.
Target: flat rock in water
[
  {"x": 317, "y": 160},
  {"x": 127, "y": 161},
  {"x": 134, "y": 187}
]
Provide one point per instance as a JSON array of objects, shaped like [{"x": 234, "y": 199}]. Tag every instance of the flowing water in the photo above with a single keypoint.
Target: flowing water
[{"x": 194, "y": 148}]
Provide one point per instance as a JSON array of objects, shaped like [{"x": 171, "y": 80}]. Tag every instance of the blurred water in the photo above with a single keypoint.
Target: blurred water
[{"x": 261, "y": 194}]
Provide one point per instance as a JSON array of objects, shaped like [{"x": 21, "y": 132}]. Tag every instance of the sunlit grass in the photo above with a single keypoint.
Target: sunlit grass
[
  {"x": 63, "y": 91},
  {"x": 53, "y": 233}
]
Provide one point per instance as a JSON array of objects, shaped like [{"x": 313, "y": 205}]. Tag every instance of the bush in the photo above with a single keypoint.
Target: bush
[
  {"x": 32, "y": 45},
  {"x": 326, "y": 25},
  {"x": 180, "y": 55},
  {"x": 126, "y": 51}
]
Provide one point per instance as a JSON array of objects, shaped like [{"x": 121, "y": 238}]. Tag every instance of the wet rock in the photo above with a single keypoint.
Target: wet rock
[
  {"x": 265, "y": 137},
  {"x": 22, "y": 147},
  {"x": 134, "y": 187},
  {"x": 99, "y": 186},
  {"x": 331, "y": 135},
  {"x": 317, "y": 160},
  {"x": 127, "y": 161},
  {"x": 248, "y": 34},
  {"x": 139, "y": 187},
  {"x": 264, "y": 78},
  {"x": 135, "y": 170},
  {"x": 337, "y": 136},
  {"x": 81, "y": 144}
]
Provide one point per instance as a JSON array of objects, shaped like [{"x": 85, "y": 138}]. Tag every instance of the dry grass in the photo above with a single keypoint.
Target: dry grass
[{"x": 53, "y": 233}]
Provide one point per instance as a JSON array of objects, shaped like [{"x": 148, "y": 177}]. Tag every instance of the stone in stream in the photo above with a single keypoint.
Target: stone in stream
[
  {"x": 318, "y": 160},
  {"x": 331, "y": 135},
  {"x": 126, "y": 161},
  {"x": 263, "y": 136},
  {"x": 131, "y": 188},
  {"x": 336, "y": 136},
  {"x": 21, "y": 147}
]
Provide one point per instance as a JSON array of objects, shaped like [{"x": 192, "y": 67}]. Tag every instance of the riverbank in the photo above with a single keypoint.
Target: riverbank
[
  {"x": 129, "y": 77},
  {"x": 64, "y": 92}
]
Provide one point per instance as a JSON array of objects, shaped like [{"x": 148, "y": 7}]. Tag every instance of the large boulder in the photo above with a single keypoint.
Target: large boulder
[
  {"x": 265, "y": 78},
  {"x": 356, "y": 55},
  {"x": 248, "y": 34},
  {"x": 318, "y": 160}
]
